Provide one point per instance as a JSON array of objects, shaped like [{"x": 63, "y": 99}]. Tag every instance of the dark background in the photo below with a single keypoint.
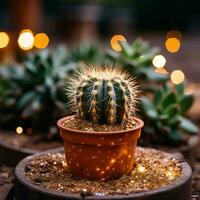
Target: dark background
[{"x": 72, "y": 21}]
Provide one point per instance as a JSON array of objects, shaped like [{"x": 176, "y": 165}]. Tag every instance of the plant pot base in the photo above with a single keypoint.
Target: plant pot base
[{"x": 174, "y": 184}]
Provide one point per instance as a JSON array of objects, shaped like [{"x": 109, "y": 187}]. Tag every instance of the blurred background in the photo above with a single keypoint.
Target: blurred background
[{"x": 28, "y": 25}]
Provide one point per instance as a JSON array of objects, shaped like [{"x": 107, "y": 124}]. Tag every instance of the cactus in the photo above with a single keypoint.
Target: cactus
[
  {"x": 164, "y": 115},
  {"x": 103, "y": 94}
]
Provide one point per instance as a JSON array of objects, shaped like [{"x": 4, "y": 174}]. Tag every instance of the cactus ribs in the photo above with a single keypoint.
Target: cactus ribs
[{"x": 103, "y": 95}]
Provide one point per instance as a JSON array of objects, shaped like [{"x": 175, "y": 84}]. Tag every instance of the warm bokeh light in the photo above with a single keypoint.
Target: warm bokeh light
[
  {"x": 161, "y": 70},
  {"x": 112, "y": 160},
  {"x": 19, "y": 130},
  {"x": 172, "y": 45},
  {"x": 159, "y": 61},
  {"x": 177, "y": 77},
  {"x": 4, "y": 39},
  {"x": 174, "y": 34},
  {"x": 29, "y": 131},
  {"x": 115, "y": 42},
  {"x": 26, "y": 39},
  {"x": 41, "y": 40}
]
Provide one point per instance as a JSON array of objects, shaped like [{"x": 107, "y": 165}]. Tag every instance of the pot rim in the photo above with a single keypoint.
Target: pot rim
[{"x": 60, "y": 121}]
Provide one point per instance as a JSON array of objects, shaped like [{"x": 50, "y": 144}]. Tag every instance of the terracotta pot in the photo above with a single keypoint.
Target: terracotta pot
[{"x": 99, "y": 155}]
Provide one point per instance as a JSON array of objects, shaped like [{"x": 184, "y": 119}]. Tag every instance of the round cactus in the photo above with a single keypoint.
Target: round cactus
[{"x": 103, "y": 94}]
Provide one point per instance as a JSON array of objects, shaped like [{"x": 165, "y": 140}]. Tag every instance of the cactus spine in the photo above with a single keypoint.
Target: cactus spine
[{"x": 103, "y": 95}]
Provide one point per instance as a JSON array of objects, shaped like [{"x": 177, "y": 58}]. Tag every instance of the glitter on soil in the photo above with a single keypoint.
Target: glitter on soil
[{"x": 152, "y": 169}]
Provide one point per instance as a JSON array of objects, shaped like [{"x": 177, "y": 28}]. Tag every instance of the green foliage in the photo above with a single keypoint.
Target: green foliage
[
  {"x": 137, "y": 59},
  {"x": 164, "y": 114},
  {"x": 40, "y": 101},
  {"x": 104, "y": 95},
  {"x": 9, "y": 92},
  {"x": 87, "y": 53}
]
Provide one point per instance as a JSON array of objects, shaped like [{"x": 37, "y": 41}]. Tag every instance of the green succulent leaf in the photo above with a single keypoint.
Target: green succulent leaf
[
  {"x": 174, "y": 122},
  {"x": 148, "y": 108},
  {"x": 157, "y": 97},
  {"x": 188, "y": 125},
  {"x": 180, "y": 89},
  {"x": 172, "y": 110},
  {"x": 147, "y": 104},
  {"x": 151, "y": 75},
  {"x": 126, "y": 49},
  {"x": 168, "y": 99},
  {"x": 186, "y": 102},
  {"x": 25, "y": 99},
  {"x": 152, "y": 114}
]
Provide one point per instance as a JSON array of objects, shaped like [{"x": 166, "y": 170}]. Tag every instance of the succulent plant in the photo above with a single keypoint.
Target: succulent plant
[
  {"x": 9, "y": 93},
  {"x": 41, "y": 80},
  {"x": 137, "y": 58},
  {"x": 164, "y": 115},
  {"x": 87, "y": 53},
  {"x": 103, "y": 94}
]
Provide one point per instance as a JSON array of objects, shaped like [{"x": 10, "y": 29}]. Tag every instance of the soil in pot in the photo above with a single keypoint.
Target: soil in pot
[{"x": 153, "y": 171}]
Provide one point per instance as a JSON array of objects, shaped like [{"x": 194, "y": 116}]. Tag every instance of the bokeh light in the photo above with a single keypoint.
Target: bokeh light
[
  {"x": 41, "y": 40},
  {"x": 177, "y": 77},
  {"x": 115, "y": 42},
  {"x": 29, "y": 131},
  {"x": 159, "y": 61},
  {"x": 172, "y": 45},
  {"x": 161, "y": 70},
  {"x": 4, "y": 39},
  {"x": 26, "y": 39},
  {"x": 174, "y": 34},
  {"x": 19, "y": 130}
]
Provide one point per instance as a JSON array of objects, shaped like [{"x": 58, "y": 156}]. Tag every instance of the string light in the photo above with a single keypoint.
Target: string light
[
  {"x": 26, "y": 39},
  {"x": 159, "y": 61},
  {"x": 4, "y": 39},
  {"x": 172, "y": 45},
  {"x": 177, "y": 77},
  {"x": 19, "y": 130},
  {"x": 115, "y": 42},
  {"x": 41, "y": 40}
]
